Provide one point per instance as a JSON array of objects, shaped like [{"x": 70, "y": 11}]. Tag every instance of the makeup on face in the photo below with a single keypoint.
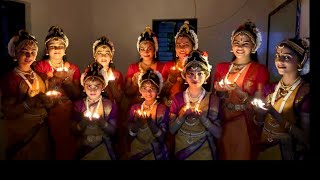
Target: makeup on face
[
  {"x": 56, "y": 44},
  {"x": 242, "y": 41},
  {"x": 93, "y": 84},
  {"x": 284, "y": 54},
  {"x": 148, "y": 87}
]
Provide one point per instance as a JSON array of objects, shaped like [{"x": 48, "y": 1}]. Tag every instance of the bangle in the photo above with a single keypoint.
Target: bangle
[
  {"x": 25, "y": 105},
  {"x": 246, "y": 97},
  {"x": 258, "y": 123},
  {"x": 79, "y": 127},
  {"x": 132, "y": 133},
  {"x": 178, "y": 122},
  {"x": 158, "y": 134},
  {"x": 206, "y": 124},
  {"x": 289, "y": 131},
  {"x": 105, "y": 125},
  {"x": 170, "y": 81}
]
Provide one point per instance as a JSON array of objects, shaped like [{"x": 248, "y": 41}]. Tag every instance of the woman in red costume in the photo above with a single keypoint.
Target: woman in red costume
[
  {"x": 24, "y": 104},
  {"x": 147, "y": 46},
  {"x": 236, "y": 82},
  {"x": 103, "y": 52},
  {"x": 185, "y": 40},
  {"x": 64, "y": 77}
]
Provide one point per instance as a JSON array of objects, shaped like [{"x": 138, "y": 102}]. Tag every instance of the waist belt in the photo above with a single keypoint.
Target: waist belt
[{"x": 236, "y": 107}]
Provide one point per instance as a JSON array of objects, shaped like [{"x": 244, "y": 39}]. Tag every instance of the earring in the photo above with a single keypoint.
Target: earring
[
  {"x": 299, "y": 68},
  {"x": 47, "y": 54},
  {"x": 111, "y": 61},
  {"x": 158, "y": 97},
  {"x": 205, "y": 82},
  {"x": 185, "y": 83},
  {"x": 231, "y": 51},
  {"x": 84, "y": 90},
  {"x": 253, "y": 52}
]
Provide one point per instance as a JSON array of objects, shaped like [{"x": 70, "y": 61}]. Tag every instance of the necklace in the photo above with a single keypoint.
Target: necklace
[
  {"x": 147, "y": 66},
  {"x": 90, "y": 112},
  {"x": 147, "y": 108},
  {"x": 238, "y": 75},
  {"x": 32, "y": 92},
  {"x": 56, "y": 66},
  {"x": 284, "y": 89},
  {"x": 194, "y": 99},
  {"x": 186, "y": 97},
  {"x": 292, "y": 88}
]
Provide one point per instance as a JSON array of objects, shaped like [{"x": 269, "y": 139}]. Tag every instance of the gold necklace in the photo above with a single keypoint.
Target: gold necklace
[
  {"x": 141, "y": 69},
  {"x": 284, "y": 89},
  {"x": 56, "y": 65},
  {"x": 194, "y": 99}
]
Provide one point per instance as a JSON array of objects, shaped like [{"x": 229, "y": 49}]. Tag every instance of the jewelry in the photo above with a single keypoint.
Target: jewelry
[
  {"x": 192, "y": 135},
  {"x": 193, "y": 119},
  {"x": 238, "y": 67},
  {"x": 132, "y": 133},
  {"x": 194, "y": 99},
  {"x": 284, "y": 89},
  {"x": 158, "y": 134},
  {"x": 238, "y": 75},
  {"x": 32, "y": 75},
  {"x": 147, "y": 108},
  {"x": 293, "y": 87},
  {"x": 25, "y": 105},
  {"x": 92, "y": 113},
  {"x": 55, "y": 66},
  {"x": 148, "y": 66},
  {"x": 186, "y": 98}
]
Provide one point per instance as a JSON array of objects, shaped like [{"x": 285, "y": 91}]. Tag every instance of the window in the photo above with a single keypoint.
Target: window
[
  {"x": 166, "y": 30},
  {"x": 12, "y": 19}
]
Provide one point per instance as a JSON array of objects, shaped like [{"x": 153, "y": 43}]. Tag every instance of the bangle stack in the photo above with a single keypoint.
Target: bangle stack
[
  {"x": 206, "y": 124},
  {"x": 132, "y": 133},
  {"x": 158, "y": 134},
  {"x": 25, "y": 105},
  {"x": 245, "y": 97},
  {"x": 178, "y": 122},
  {"x": 258, "y": 123}
]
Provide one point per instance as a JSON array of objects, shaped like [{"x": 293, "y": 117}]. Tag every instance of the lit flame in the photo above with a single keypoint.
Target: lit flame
[
  {"x": 52, "y": 93},
  {"x": 223, "y": 82},
  {"x": 227, "y": 81},
  {"x": 197, "y": 110},
  {"x": 259, "y": 103},
  {"x": 143, "y": 114},
  {"x": 111, "y": 76},
  {"x": 62, "y": 69},
  {"x": 139, "y": 112},
  {"x": 89, "y": 115},
  {"x": 95, "y": 115},
  {"x": 174, "y": 68}
]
